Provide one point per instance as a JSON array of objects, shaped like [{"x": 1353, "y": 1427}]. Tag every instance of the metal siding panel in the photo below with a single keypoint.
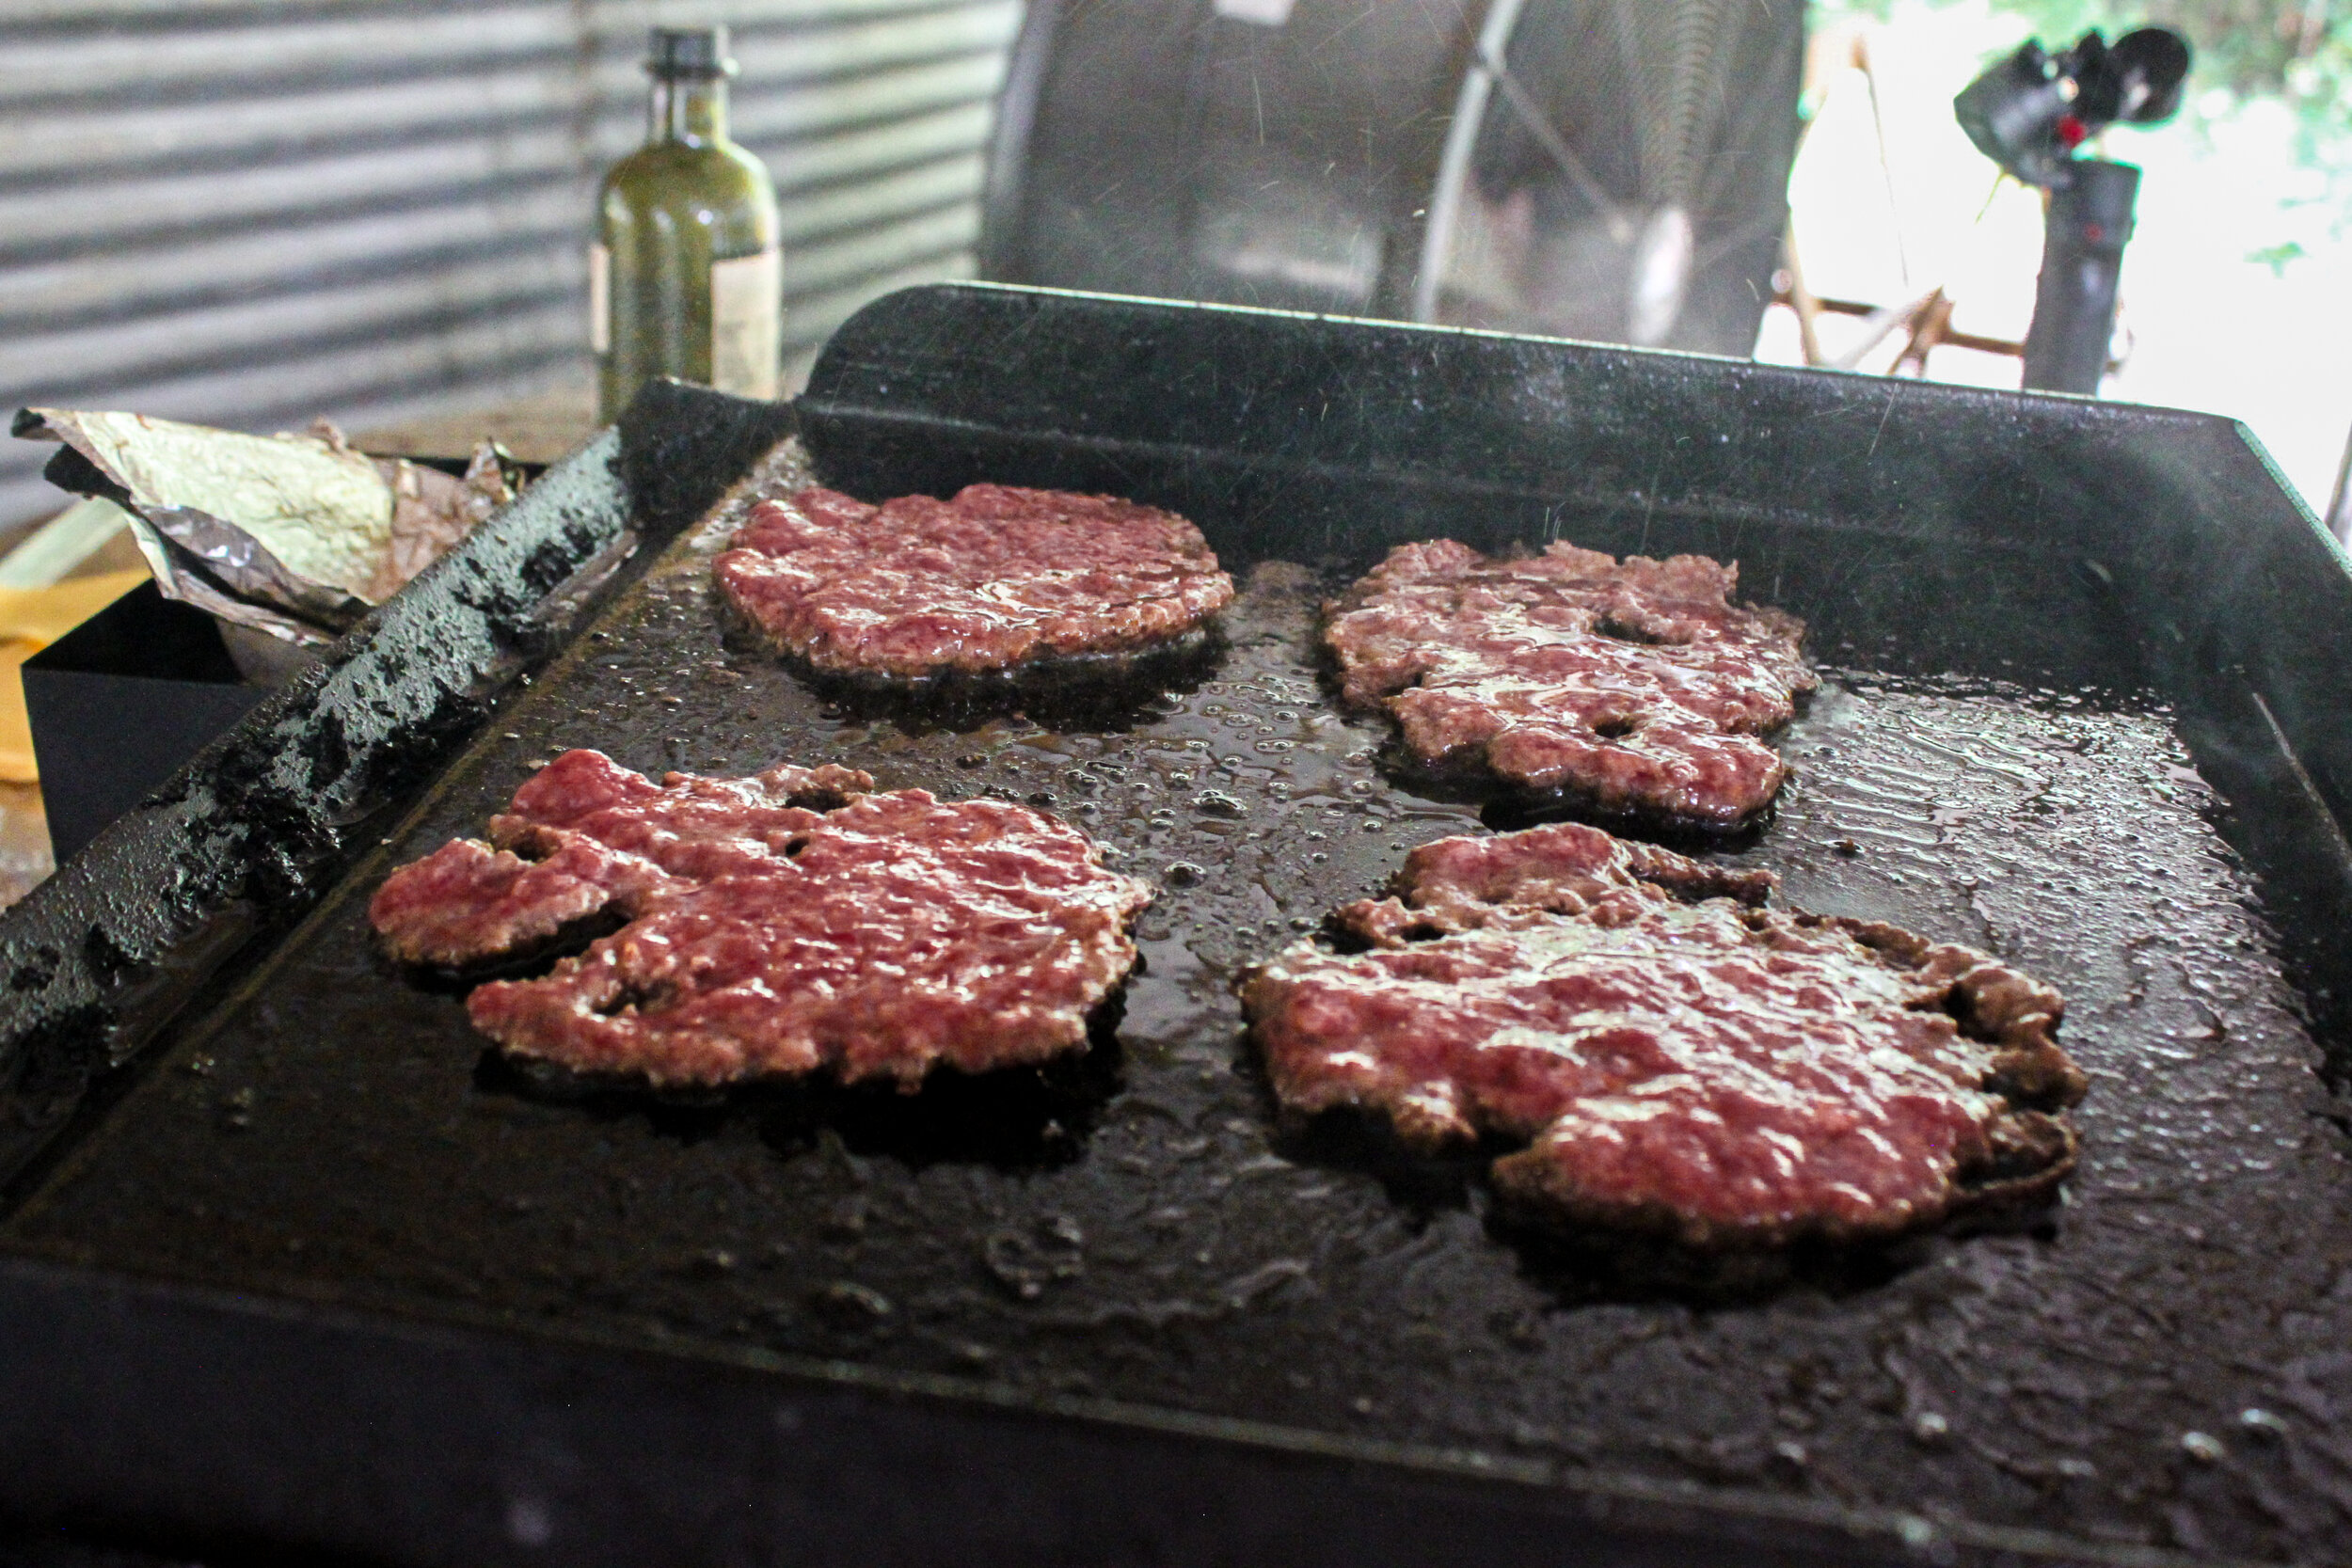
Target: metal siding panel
[
  {"x": 836, "y": 53},
  {"x": 253, "y": 212},
  {"x": 168, "y": 209},
  {"x": 95, "y": 359},
  {"x": 883, "y": 94},
  {"x": 856, "y": 259},
  {"x": 841, "y": 208},
  {"x": 167, "y": 57},
  {"x": 192, "y": 136},
  {"x": 810, "y": 321},
  {"x": 865, "y": 154},
  {"x": 126, "y": 284},
  {"x": 279, "y": 391}
]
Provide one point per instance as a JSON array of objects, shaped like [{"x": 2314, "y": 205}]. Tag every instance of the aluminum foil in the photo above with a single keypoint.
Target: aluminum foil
[{"x": 297, "y": 536}]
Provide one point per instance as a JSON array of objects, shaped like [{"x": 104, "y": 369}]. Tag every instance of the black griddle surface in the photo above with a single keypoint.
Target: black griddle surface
[{"x": 1136, "y": 1227}]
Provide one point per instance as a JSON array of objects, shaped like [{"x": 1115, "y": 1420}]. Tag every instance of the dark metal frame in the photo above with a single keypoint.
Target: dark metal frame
[{"x": 244, "y": 838}]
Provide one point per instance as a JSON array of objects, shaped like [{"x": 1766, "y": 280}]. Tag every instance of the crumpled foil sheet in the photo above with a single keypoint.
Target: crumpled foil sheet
[{"x": 298, "y": 536}]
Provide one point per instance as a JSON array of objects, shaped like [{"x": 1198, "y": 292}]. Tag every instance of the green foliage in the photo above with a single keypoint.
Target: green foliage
[
  {"x": 2299, "y": 52},
  {"x": 2276, "y": 256}
]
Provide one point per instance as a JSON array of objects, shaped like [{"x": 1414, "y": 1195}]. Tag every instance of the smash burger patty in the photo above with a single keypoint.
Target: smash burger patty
[
  {"x": 1632, "y": 686},
  {"x": 771, "y": 925},
  {"x": 1678, "y": 1060},
  {"x": 996, "y": 579}
]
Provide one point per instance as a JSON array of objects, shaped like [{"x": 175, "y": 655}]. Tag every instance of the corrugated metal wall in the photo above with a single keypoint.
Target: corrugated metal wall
[{"x": 251, "y": 211}]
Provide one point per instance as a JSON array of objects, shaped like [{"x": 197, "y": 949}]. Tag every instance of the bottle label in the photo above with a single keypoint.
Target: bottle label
[
  {"x": 599, "y": 300},
  {"x": 747, "y": 324}
]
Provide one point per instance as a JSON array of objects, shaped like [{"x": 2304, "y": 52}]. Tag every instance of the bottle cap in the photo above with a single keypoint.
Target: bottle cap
[{"x": 688, "y": 54}]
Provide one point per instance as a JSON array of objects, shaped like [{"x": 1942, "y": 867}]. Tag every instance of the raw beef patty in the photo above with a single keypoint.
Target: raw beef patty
[
  {"x": 996, "y": 579},
  {"x": 1678, "y": 1060},
  {"x": 771, "y": 925},
  {"x": 1631, "y": 687}
]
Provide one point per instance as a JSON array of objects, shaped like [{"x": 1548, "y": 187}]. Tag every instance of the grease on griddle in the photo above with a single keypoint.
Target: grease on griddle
[
  {"x": 1078, "y": 692},
  {"x": 1013, "y": 1120}
]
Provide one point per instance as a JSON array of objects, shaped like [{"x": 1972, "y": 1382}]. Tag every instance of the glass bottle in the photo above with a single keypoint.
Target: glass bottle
[{"x": 686, "y": 277}]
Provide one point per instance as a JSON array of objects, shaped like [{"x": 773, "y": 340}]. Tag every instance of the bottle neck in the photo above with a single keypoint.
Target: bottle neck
[{"x": 690, "y": 111}]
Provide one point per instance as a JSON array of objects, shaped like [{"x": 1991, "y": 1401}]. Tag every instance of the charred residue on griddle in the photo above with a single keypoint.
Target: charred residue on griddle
[
  {"x": 524, "y": 963},
  {"x": 1012, "y": 1120},
  {"x": 1089, "y": 691},
  {"x": 1420, "y": 1184},
  {"x": 1508, "y": 811},
  {"x": 1591, "y": 1268}
]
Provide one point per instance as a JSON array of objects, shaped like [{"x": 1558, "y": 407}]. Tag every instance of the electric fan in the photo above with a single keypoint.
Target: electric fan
[{"x": 1607, "y": 169}]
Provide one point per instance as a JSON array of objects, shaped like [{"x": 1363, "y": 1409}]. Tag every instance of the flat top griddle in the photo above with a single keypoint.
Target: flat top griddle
[{"x": 2003, "y": 753}]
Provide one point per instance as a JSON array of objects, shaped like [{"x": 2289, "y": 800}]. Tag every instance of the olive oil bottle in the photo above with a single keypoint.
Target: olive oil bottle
[{"x": 686, "y": 278}]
